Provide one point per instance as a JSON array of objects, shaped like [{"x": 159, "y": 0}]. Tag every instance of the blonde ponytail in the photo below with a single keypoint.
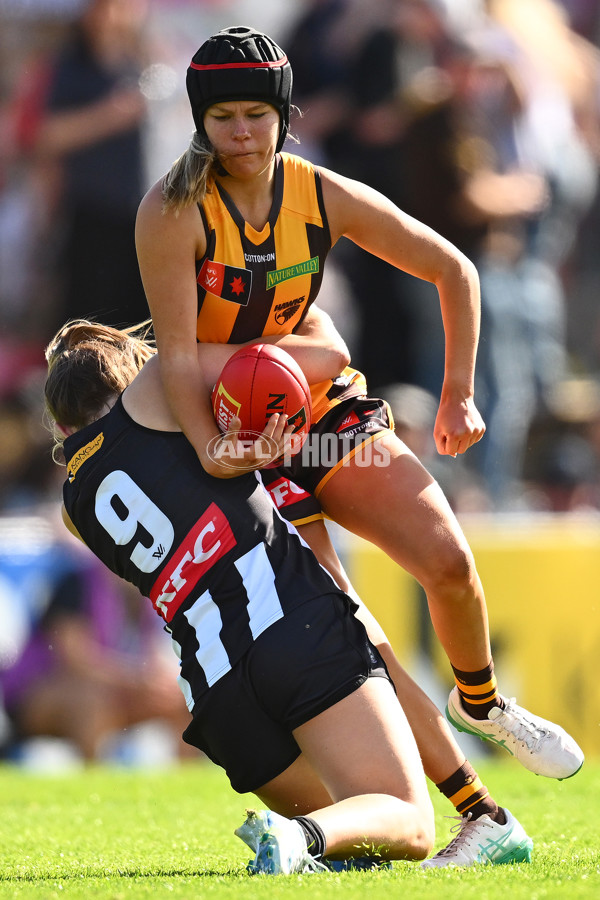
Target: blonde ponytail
[{"x": 187, "y": 180}]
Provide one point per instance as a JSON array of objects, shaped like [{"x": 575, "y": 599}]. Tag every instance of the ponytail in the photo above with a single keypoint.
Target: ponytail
[
  {"x": 187, "y": 180},
  {"x": 89, "y": 365}
]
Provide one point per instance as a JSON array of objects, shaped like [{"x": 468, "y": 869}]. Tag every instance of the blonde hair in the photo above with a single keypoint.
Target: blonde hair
[
  {"x": 88, "y": 366},
  {"x": 187, "y": 181}
]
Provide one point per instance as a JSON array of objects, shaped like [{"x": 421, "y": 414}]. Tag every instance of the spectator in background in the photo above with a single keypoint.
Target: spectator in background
[
  {"x": 27, "y": 188},
  {"x": 414, "y": 410},
  {"x": 548, "y": 133},
  {"x": 25, "y": 462},
  {"x": 92, "y": 126},
  {"x": 377, "y": 58},
  {"x": 562, "y": 472},
  {"x": 321, "y": 46},
  {"x": 94, "y": 664},
  {"x": 489, "y": 139}
]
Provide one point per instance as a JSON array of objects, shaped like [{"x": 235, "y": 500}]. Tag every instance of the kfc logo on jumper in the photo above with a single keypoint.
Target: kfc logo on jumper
[
  {"x": 209, "y": 540},
  {"x": 284, "y": 492}
]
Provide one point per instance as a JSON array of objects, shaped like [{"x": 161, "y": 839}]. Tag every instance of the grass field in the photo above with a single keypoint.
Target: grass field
[{"x": 116, "y": 833}]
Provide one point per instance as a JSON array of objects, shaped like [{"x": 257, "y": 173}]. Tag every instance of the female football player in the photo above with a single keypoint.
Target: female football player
[
  {"x": 275, "y": 667},
  {"x": 232, "y": 243}
]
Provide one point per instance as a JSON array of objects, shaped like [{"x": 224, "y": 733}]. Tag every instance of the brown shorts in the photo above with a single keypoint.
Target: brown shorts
[{"x": 345, "y": 432}]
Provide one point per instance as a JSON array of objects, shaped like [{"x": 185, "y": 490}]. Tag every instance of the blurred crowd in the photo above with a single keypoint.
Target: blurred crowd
[
  {"x": 479, "y": 117},
  {"x": 482, "y": 120}
]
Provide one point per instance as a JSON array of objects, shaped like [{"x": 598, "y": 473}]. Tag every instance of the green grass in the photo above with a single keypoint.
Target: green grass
[{"x": 113, "y": 833}]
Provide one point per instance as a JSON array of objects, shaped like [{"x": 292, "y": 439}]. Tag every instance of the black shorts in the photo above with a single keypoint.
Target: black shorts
[
  {"x": 303, "y": 664},
  {"x": 293, "y": 503},
  {"x": 343, "y": 432}
]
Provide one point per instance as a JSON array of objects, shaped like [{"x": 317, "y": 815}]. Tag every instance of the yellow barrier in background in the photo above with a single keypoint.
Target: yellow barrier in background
[{"x": 541, "y": 576}]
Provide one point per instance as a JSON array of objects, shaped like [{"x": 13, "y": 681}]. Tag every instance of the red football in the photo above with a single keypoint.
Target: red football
[{"x": 258, "y": 381}]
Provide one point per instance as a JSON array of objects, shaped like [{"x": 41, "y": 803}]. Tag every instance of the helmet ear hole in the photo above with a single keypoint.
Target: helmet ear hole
[{"x": 240, "y": 63}]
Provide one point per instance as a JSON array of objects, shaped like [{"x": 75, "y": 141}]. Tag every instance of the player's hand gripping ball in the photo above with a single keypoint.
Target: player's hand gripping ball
[{"x": 258, "y": 381}]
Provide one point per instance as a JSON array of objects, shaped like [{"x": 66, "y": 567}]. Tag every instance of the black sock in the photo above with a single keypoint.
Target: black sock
[{"x": 315, "y": 837}]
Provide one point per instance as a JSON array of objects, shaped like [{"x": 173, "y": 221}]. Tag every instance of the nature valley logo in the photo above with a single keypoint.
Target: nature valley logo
[
  {"x": 308, "y": 267},
  {"x": 84, "y": 454}
]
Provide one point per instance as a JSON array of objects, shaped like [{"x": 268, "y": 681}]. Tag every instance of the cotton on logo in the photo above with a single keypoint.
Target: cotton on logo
[{"x": 209, "y": 539}]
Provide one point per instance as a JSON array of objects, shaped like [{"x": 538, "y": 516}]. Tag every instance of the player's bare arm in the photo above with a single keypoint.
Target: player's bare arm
[
  {"x": 316, "y": 346},
  {"x": 167, "y": 245},
  {"x": 374, "y": 223}
]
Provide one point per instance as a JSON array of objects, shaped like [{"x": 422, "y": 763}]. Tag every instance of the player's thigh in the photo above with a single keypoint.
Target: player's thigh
[
  {"x": 398, "y": 506},
  {"x": 296, "y": 792},
  {"x": 302, "y": 664},
  {"x": 363, "y": 744}
]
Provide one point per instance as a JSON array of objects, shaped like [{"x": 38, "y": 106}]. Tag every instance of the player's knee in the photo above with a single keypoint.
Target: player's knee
[
  {"x": 453, "y": 573},
  {"x": 423, "y": 837}
]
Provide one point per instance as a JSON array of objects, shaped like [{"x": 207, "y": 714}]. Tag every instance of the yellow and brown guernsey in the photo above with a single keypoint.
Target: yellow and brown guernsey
[{"x": 254, "y": 283}]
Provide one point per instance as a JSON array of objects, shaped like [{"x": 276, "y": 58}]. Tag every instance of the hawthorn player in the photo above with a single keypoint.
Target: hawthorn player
[{"x": 232, "y": 243}]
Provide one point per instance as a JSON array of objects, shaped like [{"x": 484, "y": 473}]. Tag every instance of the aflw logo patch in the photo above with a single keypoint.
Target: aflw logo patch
[
  {"x": 227, "y": 282},
  {"x": 209, "y": 539}
]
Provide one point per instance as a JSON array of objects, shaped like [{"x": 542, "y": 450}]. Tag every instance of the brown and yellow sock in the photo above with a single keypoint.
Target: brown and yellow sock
[
  {"x": 478, "y": 691},
  {"x": 467, "y": 794}
]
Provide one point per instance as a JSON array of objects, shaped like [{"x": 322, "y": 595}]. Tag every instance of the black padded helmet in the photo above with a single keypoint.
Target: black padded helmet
[{"x": 240, "y": 63}]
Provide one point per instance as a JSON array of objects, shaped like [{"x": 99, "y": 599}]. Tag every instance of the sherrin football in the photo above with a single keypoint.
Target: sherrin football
[{"x": 258, "y": 381}]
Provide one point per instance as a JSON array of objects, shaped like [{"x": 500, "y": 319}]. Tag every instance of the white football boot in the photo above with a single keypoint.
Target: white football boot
[
  {"x": 279, "y": 844},
  {"x": 485, "y": 842},
  {"x": 540, "y": 746}
]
